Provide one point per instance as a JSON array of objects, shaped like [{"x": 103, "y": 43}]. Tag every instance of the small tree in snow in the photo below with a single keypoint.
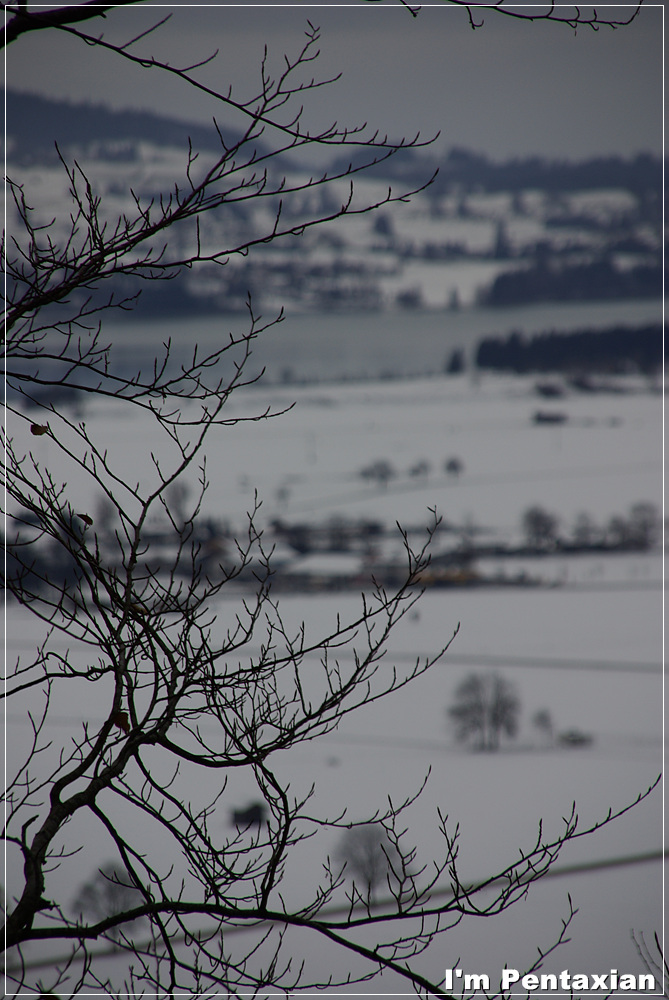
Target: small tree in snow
[
  {"x": 370, "y": 858},
  {"x": 644, "y": 525},
  {"x": 486, "y": 707},
  {"x": 543, "y": 723},
  {"x": 107, "y": 894},
  {"x": 540, "y": 527},
  {"x": 454, "y": 466},
  {"x": 381, "y": 472}
]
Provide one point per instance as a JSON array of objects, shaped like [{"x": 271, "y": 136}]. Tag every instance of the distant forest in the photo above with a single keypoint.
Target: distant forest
[
  {"x": 638, "y": 174},
  {"x": 585, "y": 351},
  {"x": 598, "y": 280},
  {"x": 464, "y": 170}
]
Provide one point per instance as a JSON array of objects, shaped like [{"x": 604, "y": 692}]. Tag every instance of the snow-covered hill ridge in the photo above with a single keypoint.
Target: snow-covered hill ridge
[{"x": 528, "y": 231}]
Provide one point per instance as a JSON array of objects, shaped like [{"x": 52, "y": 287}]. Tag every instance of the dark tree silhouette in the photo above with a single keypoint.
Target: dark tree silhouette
[
  {"x": 486, "y": 708},
  {"x": 644, "y": 522},
  {"x": 543, "y": 723},
  {"x": 109, "y": 893},
  {"x": 454, "y": 466},
  {"x": 540, "y": 527},
  {"x": 380, "y": 471},
  {"x": 371, "y": 859}
]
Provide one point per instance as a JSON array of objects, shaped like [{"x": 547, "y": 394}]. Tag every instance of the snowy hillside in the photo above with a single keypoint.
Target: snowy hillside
[{"x": 586, "y": 649}]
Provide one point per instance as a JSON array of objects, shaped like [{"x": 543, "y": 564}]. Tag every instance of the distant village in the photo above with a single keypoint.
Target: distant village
[{"x": 523, "y": 231}]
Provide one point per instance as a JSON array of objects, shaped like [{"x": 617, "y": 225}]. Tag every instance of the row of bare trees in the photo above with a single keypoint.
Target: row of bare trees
[
  {"x": 638, "y": 531},
  {"x": 171, "y": 694}
]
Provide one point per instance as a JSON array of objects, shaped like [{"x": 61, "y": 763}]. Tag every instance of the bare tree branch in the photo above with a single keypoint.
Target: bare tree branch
[{"x": 182, "y": 693}]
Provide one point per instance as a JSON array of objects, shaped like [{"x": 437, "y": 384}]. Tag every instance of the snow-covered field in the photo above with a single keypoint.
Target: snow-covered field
[{"x": 589, "y": 650}]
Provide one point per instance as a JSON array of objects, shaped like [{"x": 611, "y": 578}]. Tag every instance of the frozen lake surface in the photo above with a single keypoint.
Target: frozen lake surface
[{"x": 352, "y": 345}]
